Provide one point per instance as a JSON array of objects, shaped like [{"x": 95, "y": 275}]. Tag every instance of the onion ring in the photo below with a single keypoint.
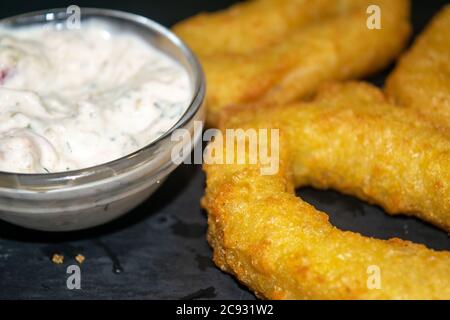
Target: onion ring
[
  {"x": 422, "y": 78},
  {"x": 350, "y": 139},
  {"x": 254, "y": 53}
]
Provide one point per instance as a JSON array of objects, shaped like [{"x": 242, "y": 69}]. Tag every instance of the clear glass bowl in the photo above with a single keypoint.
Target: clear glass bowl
[{"x": 88, "y": 197}]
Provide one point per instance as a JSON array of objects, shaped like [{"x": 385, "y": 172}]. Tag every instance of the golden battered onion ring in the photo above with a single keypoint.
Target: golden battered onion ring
[
  {"x": 279, "y": 60},
  {"x": 422, "y": 78},
  {"x": 249, "y": 26},
  {"x": 352, "y": 140}
]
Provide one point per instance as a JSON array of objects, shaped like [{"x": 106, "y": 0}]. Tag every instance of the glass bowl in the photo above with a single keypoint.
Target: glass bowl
[{"x": 89, "y": 197}]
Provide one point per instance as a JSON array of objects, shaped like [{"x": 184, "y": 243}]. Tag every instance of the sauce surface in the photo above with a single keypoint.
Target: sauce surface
[{"x": 72, "y": 99}]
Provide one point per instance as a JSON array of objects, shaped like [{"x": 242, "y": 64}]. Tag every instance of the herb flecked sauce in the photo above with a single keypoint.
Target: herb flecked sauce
[{"x": 71, "y": 99}]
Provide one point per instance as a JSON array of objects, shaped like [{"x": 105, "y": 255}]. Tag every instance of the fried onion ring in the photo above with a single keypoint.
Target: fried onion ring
[
  {"x": 350, "y": 139},
  {"x": 274, "y": 52},
  {"x": 422, "y": 78}
]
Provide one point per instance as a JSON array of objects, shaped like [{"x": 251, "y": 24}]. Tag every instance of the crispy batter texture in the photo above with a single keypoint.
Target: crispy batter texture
[
  {"x": 350, "y": 139},
  {"x": 249, "y": 26},
  {"x": 291, "y": 61},
  {"x": 422, "y": 78}
]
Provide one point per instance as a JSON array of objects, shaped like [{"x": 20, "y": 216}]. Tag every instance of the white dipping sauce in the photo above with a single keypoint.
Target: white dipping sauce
[{"x": 71, "y": 99}]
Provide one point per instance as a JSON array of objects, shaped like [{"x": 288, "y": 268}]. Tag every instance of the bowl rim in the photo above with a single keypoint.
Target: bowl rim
[{"x": 199, "y": 88}]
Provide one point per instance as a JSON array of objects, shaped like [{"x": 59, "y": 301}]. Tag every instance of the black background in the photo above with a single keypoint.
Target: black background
[{"x": 159, "y": 250}]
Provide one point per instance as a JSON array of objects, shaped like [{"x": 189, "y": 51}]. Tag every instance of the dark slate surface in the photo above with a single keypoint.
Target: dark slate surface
[{"x": 159, "y": 250}]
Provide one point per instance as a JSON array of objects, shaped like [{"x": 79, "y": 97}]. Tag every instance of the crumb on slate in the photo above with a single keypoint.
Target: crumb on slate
[
  {"x": 80, "y": 258},
  {"x": 58, "y": 259}
]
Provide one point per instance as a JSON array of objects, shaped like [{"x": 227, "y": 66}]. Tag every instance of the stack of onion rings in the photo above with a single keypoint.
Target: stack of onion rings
[
  {"x": 262, "y": 55},
  {"x": 350, "y": 139}
]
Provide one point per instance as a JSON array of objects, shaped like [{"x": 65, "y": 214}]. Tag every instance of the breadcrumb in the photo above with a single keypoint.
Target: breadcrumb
[
  {"x": 58, "y": 259},
  {"x": 80, "y": 258}
]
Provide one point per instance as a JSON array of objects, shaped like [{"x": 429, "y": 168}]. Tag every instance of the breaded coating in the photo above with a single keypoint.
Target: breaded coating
[
  {"x": 422, "y": 78},
  {"x": 350, "y": 139},
  {"x": 337, "y": 46},
  {"x": 253, "y": 25}
]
